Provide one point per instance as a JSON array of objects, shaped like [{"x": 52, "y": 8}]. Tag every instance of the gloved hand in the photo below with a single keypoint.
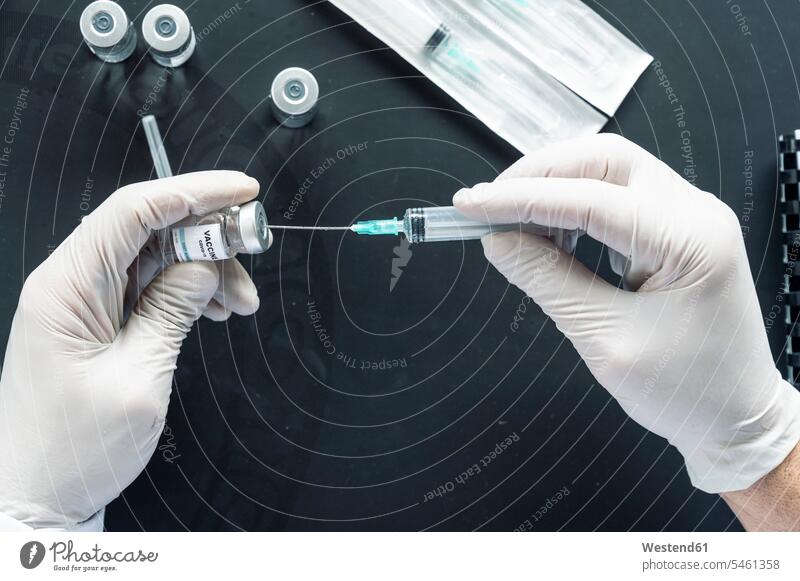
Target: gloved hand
[
  {"x": 685, "y": 352},
  {"x": 84, "y": 396}
]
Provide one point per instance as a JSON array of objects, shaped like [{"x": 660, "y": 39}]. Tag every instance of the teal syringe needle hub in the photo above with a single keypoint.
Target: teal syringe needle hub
[{"x": 378, "y": 227}]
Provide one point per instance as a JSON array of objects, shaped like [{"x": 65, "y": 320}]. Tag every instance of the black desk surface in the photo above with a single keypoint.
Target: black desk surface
[{"x": 273, "y": 426}]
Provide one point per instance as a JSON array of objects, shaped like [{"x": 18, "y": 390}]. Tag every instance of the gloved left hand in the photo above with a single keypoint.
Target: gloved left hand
[{"x": 84, "y": 394}]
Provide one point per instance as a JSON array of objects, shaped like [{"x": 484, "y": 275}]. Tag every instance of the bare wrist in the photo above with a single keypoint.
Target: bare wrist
[{"x": 773, "y": 502}]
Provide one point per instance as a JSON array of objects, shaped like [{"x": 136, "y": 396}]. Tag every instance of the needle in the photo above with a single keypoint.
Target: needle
[
  {"x": 371, "y": 227},
  {"x": 310, "y": 227}
]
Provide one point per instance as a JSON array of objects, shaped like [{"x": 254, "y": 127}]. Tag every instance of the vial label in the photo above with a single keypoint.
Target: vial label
[{"x": 196, "y": 243}]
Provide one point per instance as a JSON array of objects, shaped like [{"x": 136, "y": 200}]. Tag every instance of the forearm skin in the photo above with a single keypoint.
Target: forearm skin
[{"x": 772, "y": 503}]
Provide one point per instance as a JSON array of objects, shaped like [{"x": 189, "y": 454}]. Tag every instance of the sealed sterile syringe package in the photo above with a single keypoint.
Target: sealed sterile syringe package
[
  {"x": 476, "y": 52},
  {"x": 487, "y": 75},
  {"x": 568, "y": 40}
]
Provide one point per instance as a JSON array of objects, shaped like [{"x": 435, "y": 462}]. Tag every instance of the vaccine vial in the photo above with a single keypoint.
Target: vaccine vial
[
  {"x": 216, "y": 236},
  {"x": 107, "y": 31},
  {"x": 168, "y": 33},
  {"x": 293, "y": 96}
]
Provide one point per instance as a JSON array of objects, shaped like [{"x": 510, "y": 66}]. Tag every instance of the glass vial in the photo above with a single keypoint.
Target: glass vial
[
  {"x": 293, "y": 97},
  {"x": 168, "y": 33},
  {"x": 107, "y": 31},
  {"x": 216, "y": 236}
]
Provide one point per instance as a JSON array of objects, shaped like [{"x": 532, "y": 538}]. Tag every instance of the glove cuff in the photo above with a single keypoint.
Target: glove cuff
[
  {"x": 93, "y": 524},
  {"x": 752, "y": 453},
  {"x": 9, "y": 524}
]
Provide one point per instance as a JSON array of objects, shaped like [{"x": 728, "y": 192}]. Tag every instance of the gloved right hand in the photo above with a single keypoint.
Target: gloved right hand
[{"x": 684, "y": 352}]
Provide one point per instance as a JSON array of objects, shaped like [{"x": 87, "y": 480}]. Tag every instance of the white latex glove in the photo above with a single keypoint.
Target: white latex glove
[
  {"x": 83, "y": 396},
  {"x": 685, "y": 355}
]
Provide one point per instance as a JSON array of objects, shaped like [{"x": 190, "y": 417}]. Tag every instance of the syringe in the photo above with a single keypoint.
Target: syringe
[
  {"x": 440, "y": 224},
  {"x": 437, "y": 224}
]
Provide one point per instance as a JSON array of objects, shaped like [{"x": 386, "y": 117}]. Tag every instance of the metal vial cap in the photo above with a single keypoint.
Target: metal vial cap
[
  {"x": 294, "y": 91},
  {"x": 104, "y": 23},
  {"x": 166, "y": 28},
  {"x": 253, "y": 228}
]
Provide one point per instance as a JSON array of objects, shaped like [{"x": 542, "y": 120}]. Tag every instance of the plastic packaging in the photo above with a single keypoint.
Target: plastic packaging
[
  {"x": 513, "y": 96},
  {"x": 568, "y": 40}
]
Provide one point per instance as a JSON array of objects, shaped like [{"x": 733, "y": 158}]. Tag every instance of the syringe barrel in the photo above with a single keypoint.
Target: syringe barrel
[{"x": 441, "y": 224}]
